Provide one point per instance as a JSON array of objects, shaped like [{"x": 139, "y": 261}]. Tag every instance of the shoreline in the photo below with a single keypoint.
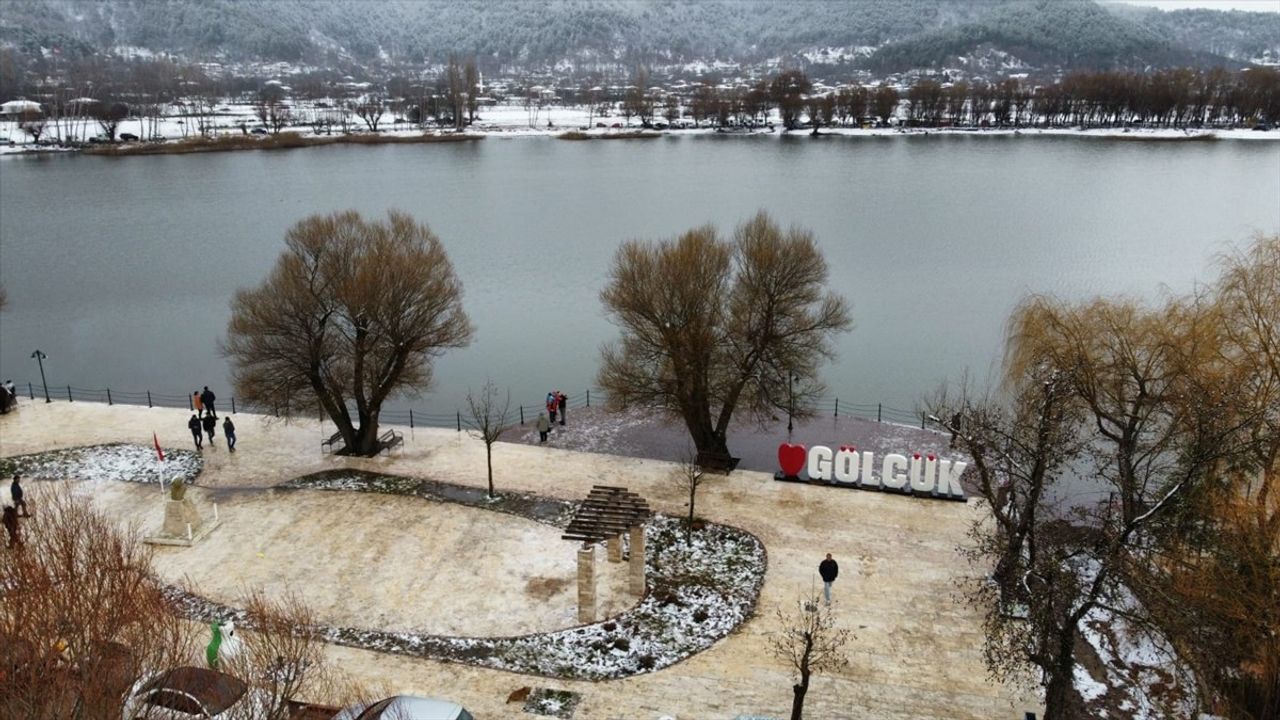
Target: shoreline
[{"x": 293, "y": 139}]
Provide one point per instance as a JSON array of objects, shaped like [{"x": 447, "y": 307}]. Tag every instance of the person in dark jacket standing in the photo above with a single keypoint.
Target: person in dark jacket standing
[
  {"x": 210, "y": 425},
  {"x": 206, "y": 398},
  {"x": 18, "y": 503},
  {"x": 11, "y": 526},
  {"x": 229, "y": 431},
  {"x": 828, "y": 569},
  {"x": 562, "y": 404},
  {"x": 194, "y": 425}
]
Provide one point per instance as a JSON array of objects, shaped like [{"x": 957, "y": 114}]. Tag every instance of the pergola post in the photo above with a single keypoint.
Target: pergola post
[
  {"x": 614, "y": 547},
  {"x": 587, "y": 583},
  {"x": 636, "y": 570}
]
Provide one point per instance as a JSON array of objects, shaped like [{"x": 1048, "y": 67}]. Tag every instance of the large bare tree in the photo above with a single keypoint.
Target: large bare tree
[
  {"x": 711, "y": 326},
  {"x": 353, "y": 312}
]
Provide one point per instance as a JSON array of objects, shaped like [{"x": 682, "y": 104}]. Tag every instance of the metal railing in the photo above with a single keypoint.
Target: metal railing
[{"x": 521, "y": 413}]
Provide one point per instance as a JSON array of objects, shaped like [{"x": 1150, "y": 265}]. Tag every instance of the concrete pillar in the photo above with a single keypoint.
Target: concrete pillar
[
  {"x": 587, "y": 584},
  {"x": 614, "y": 546},
  {"x": 636, "y": 571}
]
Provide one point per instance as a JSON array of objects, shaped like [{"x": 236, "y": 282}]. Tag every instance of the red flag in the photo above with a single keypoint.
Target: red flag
[{"x": 158, "y": 450}]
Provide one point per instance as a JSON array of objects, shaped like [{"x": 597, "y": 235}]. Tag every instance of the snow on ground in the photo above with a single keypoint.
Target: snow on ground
[
  {"x": 697, "y": 594},
  {"x": 517, "y": 120},
  {"x": 106, "y": 463}
]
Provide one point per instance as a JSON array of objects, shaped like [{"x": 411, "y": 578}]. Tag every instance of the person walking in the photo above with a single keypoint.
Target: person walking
[
  {"x": 543, "y": 427},
  {"x": 551, "y": 406},
  {"x": 828, "y": 569},
  {"x": 229, "y": 432},
  {"x": 15, "y": 490},
  {"x": 196, "y": 403},
  {"x": 194, "y": 425},
  {"x": 11, "y": 526},
  {"x": 210, "y": 424},
  {"x": 562, "y": 404},
  {"x": 206, "y": 398}
]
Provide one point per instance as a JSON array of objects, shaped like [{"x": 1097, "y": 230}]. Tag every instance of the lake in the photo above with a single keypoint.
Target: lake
[{"x": 121, "y": 269}]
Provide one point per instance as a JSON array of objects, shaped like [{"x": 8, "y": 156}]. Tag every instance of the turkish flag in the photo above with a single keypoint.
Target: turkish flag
[{"x": 159, "y": 452}]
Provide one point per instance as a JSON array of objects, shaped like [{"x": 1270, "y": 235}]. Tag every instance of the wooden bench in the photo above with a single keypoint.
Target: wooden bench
[
  {"x": 388, "y": 440},
  {"x": 721, "y": 463},
  {"x": 335, "y": 442}
]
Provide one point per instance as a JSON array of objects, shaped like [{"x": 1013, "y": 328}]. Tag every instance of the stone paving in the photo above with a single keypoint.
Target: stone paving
[{"x": 916, "y": 652}]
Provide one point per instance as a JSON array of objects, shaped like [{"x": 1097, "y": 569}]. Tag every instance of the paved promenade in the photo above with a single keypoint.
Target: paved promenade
[{"x": 916, "y": 652}]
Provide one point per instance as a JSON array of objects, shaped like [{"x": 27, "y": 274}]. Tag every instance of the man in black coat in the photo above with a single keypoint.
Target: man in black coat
[
  {"x": 828, "y": 569},
  {"x": 194, "y": 426},
  {"x": 210, "y": 424},
  {"x": 206, "y": 399},
  {"x": 15, "y": 490}
]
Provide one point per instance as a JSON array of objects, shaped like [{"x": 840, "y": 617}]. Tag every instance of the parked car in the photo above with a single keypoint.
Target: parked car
[
  {"x": 259, "y": 131},
  {"x": 1262, "y": 127},
  {"x": 406, "y": 707},
  {"x": 128, "y": 137}
]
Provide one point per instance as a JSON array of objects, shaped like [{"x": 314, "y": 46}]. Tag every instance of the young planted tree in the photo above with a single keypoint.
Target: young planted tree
[
  {"x": 811, "y": 643},
  {"x": 32, "y": 122},
  {"x": 488, "y": 417},
  {"x": 711, "y": 327},
  {"x": 353, "y": 312},
  {"x": 687, "y": 478}
]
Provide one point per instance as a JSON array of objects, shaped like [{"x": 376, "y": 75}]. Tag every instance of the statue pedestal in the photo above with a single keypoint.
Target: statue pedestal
[{"x": 182, "y": 524}]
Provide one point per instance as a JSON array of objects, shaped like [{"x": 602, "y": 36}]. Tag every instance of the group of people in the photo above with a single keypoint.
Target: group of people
[
  {"x": 11, "y": 508},
  {"x": 205, "y": 418},
  {"x": 557, "y": 405},
  {"x": 8, "y": 396}
]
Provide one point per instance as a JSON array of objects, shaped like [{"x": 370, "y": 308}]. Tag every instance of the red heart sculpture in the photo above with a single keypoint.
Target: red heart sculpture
[{"x": 791, "y": 459}]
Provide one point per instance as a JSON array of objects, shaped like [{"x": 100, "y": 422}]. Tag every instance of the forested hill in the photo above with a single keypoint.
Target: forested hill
[{"x": 887, "y": 34}]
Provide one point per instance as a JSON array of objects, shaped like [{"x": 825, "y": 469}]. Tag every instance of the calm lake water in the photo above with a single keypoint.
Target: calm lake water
[{"x": 121, "y": 269}]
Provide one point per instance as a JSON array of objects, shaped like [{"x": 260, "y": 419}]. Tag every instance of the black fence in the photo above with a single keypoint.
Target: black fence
[{"x": 522, "y": 413}]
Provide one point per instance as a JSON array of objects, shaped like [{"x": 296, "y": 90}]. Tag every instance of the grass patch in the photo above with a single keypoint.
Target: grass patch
[{"x": 283, "y": 141}]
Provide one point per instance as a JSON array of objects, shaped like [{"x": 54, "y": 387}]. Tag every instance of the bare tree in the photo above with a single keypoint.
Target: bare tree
[
  {"x": 370, "y": 109},
  {"x": 710, "y": 326},
  {"x": 32, "y": 122},
  {"x": 687, "y": 478},
  {"x": 671, "y": 109},
  {"x": 471, "y": 81},
  {"x": 353, "y": 312},
  {"x": 82, "y": 618},
  {"x": 488, "y": 417},
  {"x": 789, "y": 89},
  {"x": 811, "y": 643},
  {"x": 282, "y": 659},
  {"x": 884, "y": 102},
  {"x": 109, "y": 115}
]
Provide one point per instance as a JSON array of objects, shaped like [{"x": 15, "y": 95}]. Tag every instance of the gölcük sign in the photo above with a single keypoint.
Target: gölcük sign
[{"x": 922, "y": 476}]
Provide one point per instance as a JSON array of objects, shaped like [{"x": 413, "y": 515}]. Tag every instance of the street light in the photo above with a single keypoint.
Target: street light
[
  {"x": 39, "y": 356},
  {"x": 791, "y": 404}
]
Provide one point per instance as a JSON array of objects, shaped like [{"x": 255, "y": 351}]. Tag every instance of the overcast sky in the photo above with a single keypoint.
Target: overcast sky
[{"x": 1254, "y": 5}]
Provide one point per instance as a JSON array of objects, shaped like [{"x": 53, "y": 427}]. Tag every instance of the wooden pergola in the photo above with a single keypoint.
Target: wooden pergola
[{"x": 605, "y": 514}]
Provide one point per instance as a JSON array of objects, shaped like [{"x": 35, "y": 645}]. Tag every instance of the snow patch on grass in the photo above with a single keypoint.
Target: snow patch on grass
[{"x": 106, "y": 463}]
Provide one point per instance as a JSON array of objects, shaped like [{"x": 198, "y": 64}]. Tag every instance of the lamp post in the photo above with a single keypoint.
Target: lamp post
[
  {"x": 791, "y": 404},
  {"x": 39, "y": 356}
]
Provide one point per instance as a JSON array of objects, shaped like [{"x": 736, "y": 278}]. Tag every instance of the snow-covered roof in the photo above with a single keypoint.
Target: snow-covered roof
[{"x": 17, "y": 107}]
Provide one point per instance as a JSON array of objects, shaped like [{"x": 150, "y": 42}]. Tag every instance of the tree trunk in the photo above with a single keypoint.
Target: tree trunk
[
  {"x": 797, "y": 698},
  {"x": 1058, "y": 690},
  {"x": 488, "y": 457},
  {"x": 705, "y": 438},
  {"x": 366, "y": 441}
]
